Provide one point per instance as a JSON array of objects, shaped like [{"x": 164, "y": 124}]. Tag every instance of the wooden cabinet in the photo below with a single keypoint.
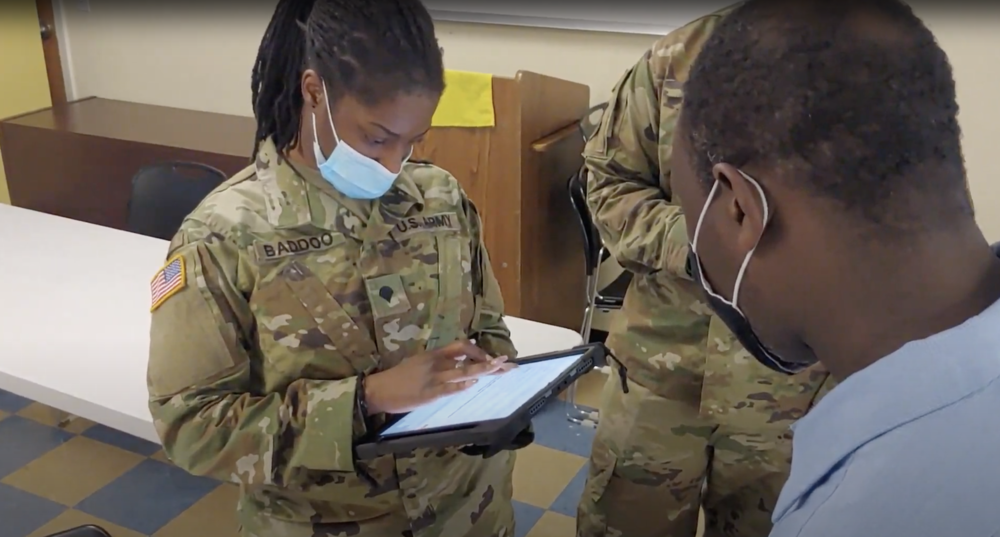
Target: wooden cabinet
[{"x": 77, "y": 160}]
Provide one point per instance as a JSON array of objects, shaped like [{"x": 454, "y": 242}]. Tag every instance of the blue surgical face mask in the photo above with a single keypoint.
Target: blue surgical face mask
[{"x": 351, "y": 173}]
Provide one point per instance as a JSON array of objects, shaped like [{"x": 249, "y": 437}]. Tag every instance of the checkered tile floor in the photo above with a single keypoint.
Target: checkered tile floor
[{"x": 53, "y": 479}]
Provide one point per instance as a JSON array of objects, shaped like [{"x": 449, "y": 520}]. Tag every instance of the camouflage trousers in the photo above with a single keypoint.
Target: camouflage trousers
[
  {"x": 485, "y": 511},
  {"x": 655, "y": 463}
]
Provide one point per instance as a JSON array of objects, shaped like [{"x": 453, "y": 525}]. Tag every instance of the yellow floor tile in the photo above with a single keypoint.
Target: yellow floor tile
[
  {"x": 214, "y": 515},
  {"x": 542, "y": 473},
  {"x": 161, "y": 456},
  {"x": 554, "y": 525},
  {"x": 3, "y": 414},
  {"x": 589, "y": 388},
  {"x": 73, "y": 519},
  {"x": 73, "y": 471},
  {"x": 47, "y": 415}
]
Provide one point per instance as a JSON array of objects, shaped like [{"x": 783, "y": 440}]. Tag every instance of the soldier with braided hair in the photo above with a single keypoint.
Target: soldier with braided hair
[{"x": 328, "y": 285}]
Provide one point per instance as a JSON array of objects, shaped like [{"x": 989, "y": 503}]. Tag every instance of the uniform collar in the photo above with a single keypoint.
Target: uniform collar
[
  {"x": 297, "y": 197},
  {"x": 286, "y": 197},
  {"x": 921, "y": 377},
  {"x": 403, "y": 198}
]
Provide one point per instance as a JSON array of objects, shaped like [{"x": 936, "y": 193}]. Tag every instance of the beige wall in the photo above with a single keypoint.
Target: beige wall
[
  {"x": 21, "y": 59},
  {"x": 204, "y": 62},
  {"x": 171, "y": 57}
]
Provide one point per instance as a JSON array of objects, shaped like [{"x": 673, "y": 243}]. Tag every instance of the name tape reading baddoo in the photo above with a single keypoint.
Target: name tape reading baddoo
[{"x": 269, "y": 251}]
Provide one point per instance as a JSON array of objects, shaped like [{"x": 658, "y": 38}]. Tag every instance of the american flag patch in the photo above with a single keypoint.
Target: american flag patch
[{"x": 167, "y": 282}]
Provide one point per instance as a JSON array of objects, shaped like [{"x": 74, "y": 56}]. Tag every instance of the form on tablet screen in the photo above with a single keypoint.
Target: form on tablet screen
[{"x": 493, "y": 397}]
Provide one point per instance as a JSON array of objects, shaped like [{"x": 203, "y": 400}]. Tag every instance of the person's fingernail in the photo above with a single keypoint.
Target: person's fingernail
[{"x": 471, "y": 383}]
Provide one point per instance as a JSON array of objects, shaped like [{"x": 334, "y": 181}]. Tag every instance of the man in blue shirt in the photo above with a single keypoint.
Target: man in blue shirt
[{"x": 819, "y": 164}]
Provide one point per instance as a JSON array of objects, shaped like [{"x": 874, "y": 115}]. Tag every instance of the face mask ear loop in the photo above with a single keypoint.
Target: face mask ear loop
[
  {"x": 318, "y": 150},
  {"x": 701, "y": 217},
  {"x": 746, "y": 260},
  {"x": 329, "y": 115}
]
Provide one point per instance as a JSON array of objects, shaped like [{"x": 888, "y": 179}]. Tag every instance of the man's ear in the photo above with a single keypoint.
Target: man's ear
[{"x": 746, "y": 203}]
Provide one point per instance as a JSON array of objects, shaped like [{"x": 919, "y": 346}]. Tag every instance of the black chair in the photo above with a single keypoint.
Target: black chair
[
  {"x": 163, "y": 194},
  {"x": 83, "y": 531},
  {"x": 594, "y": 253},
  {"x": 611, "y": 297}
]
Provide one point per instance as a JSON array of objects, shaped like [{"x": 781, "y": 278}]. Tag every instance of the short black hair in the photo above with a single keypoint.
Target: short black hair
[
  {"x": 371, "y": 50},
  {"x": 854, "y": 99}
]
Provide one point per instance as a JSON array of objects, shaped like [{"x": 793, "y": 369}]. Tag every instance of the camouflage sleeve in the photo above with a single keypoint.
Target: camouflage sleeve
[
  {"x": 628, "y": 157},
  {"x": 488, "y": 327},
  {"x": 210, "y": 416}
]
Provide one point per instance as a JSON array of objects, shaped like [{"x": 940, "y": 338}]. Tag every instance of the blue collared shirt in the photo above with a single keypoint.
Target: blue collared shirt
[{"x": 908, "y": 447}]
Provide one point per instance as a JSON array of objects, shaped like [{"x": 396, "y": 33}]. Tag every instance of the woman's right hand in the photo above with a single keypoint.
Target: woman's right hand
[{"x": 423, "y": 378}]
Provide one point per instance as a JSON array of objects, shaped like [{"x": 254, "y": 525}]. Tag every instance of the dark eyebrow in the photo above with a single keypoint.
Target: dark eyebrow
[
  {"x": 387, "y": 131},
  {"x": 390, "y": 133}
]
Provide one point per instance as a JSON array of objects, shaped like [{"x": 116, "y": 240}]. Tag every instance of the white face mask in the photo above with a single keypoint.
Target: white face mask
[
  {"x": 729, "y": 311},
  {"x": 351, "y": 173}
]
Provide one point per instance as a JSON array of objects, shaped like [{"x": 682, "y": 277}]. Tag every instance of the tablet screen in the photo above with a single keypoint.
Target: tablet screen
[{"x": 493, "y": 397}]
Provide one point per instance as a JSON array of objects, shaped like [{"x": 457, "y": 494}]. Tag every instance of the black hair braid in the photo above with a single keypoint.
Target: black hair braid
[
  {"x": 277, "y": 100},
  {"x": 371, "y": 50}
]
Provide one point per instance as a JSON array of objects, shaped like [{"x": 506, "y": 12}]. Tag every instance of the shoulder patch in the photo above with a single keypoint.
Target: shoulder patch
[{"x": 169, "y": 281}]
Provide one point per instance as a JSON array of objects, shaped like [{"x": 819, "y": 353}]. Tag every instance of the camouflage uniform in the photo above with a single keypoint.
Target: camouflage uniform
[
  {"x": 699, "y": 408},
  {"x": 289, "y": 291}
]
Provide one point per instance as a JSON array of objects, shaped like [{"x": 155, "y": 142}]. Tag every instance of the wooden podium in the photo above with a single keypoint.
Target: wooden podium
[
  {"x": 77, "y": 161},
  {"x": 516, "y": 174}
]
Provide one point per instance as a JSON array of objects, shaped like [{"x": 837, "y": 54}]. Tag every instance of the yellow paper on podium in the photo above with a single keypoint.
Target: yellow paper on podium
[{"x": 467, "y": 101}]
